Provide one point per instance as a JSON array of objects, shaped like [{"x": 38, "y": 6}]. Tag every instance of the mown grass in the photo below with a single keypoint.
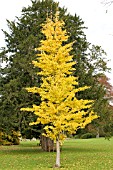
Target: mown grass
[{"x": 84, "y": 154}]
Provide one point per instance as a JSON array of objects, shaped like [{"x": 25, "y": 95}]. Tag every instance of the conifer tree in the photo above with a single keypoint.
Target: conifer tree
[
  {"x": 59, "y": 111},
  {"x": 23, "y": 36}
]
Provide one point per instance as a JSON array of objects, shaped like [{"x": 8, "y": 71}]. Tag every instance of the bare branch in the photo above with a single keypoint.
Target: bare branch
[{"x": 107, "y": 2}]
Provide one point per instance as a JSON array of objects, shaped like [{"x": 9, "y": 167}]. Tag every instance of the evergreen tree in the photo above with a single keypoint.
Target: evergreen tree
[{"x": 23, "y": 37}]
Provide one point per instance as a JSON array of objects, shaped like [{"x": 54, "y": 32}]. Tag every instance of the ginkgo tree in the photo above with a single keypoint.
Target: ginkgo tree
[{"x": 60, "y": 111}]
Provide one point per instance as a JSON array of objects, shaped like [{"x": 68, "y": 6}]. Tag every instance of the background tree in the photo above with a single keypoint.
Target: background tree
[
  {"x": 106, "y": 118},
  {"x": 103, "y": 126},
  {"x": 60, "y": 111},
  {"x": 21, "y": 40}
]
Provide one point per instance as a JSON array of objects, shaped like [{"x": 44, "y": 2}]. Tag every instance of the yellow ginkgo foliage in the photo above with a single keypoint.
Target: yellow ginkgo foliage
[{"x": 60, "y": 111}]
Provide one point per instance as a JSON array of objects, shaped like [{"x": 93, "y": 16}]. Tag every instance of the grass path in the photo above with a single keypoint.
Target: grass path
[{"x": 84, "y": 154}]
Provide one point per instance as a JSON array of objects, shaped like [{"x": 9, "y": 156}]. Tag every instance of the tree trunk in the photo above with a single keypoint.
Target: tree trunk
[
  {"x": 47, "y": 144},
  {"x": 97, "y": 136},
  {"x": 57, "y": 154}
]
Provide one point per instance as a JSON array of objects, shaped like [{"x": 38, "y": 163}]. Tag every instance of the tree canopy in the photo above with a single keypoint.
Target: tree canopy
[
  {"x": 23, "y": 37},
  {"x": 59, "y": 111}
]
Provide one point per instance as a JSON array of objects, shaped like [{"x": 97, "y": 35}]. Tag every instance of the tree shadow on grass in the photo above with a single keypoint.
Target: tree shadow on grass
[
  {"x": 21, "y": 150},
  {"x": 36, "y": 149},
  {"x": 81, "y": 149}
]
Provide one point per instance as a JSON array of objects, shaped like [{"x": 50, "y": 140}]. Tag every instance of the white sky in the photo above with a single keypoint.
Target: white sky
[{"x": 92, "y": 12}]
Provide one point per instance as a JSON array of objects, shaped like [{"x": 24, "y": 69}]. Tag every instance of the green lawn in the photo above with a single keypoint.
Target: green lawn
[{"x": 84, "y": 154}]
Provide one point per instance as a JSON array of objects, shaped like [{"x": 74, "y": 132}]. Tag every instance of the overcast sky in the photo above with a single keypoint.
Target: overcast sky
[{"x": 96, "y": 16}]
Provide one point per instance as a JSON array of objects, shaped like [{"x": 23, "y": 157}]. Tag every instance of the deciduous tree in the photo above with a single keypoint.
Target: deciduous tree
[{"x": 60, "y": 111}]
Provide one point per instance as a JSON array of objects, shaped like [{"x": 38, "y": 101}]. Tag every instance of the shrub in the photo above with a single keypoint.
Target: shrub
[
  {"x": 87, "y": 136},
  {"x": 77, "y": 136},
  {"x": 9, "y": 139}
]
